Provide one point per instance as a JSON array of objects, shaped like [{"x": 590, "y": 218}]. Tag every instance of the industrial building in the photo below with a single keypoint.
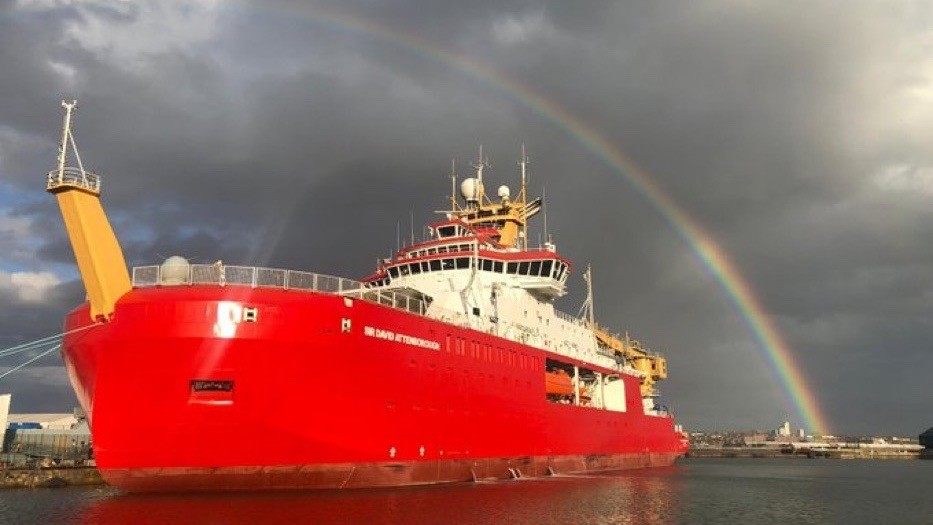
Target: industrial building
[{"x": 44, "y": 439}]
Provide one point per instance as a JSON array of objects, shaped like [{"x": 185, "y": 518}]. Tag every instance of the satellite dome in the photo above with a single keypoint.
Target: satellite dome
[
  {"x": 174, "y": 270},
  {"x": 504, "y": 192},
  {"x": 470, "y": 189}
]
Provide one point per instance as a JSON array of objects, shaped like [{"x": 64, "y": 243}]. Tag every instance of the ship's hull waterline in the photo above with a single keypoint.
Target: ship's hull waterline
[{"x": 317, "y": 390}]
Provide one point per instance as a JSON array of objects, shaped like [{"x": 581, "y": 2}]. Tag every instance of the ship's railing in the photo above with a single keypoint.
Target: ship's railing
[
  {"x": 258, "y": 277},
  {"x": 74, "y": 177}
]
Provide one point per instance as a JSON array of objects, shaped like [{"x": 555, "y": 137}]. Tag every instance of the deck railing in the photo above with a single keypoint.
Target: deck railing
[
  {"x": 258, "y": 277},
  {"x": 74, "y": 177}
]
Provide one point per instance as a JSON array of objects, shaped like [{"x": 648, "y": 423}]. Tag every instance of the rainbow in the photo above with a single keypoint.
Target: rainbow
[{"x": 776, "y": 351}]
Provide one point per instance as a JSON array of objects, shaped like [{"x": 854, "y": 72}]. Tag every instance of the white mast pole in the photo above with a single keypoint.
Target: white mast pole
[
  {"x": 453, "y": 185},
  {"x": 524, "y": 232},
  {"x": 66, "y": 131}
]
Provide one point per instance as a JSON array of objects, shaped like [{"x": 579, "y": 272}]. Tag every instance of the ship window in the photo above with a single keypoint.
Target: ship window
[
  {"x": 415, "y": 268},
  {"x": 486, "y": 265},
  {"x": 424, "y": 267},
  {"x": 435, "y": 265},
  {"x": 512, "y": 268},
  {"x": 445, "y": 231},
  {"x": 463, "y": 262},
  {"x": 393, "y": 271},
  {"x": 497, "y": 266},
  {"x": 523, "y": 268},
  {"x": 448, "y": 264},
  {"x": 404, "y": 269},
  {"x": 535, "y": 268},
  {"x": 432, "y": 251},
  {"x": 441, "y": 249},
  {"x": 546, "y": 268}
]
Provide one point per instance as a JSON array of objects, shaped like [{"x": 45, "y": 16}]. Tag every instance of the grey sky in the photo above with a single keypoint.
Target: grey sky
[{"x": 794, "y": 133}]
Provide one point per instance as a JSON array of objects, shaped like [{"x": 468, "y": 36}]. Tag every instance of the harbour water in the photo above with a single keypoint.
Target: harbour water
[{"x": 748, "y": 491}]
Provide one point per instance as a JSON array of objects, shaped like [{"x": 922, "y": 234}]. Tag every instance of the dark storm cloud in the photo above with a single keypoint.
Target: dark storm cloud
[{"x": 271, "y": 134}]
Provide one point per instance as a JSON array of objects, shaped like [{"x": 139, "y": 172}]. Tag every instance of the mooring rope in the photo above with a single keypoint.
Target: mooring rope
[
  {"x": 39, "y": 343},
  {"x": 54, "y": 340},
  {"x": 34, "y": 359}
]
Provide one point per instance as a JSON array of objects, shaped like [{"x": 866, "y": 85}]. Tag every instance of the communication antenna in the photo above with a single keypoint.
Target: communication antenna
[{"x": 524, "y": 195}]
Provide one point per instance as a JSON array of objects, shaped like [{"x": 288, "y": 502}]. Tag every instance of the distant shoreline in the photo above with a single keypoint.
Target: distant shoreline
[{"x": 840, "y": 453}]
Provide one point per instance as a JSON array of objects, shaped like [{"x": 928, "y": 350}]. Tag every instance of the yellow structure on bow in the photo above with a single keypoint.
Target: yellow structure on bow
[{"x": 97, "y": 251}]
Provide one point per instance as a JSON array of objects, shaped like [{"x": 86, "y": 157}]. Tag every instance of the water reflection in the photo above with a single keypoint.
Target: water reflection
[{"x": 646, "y": 496}]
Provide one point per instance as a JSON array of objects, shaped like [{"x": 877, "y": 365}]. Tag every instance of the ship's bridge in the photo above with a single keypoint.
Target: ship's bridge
[{"x": 456, "y": 245}]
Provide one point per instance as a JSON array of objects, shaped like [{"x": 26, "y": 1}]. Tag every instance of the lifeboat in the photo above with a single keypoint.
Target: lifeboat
[{"x": 558, "y": 383}]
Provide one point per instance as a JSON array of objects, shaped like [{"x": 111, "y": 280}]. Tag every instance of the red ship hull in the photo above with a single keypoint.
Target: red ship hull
[{"x": 322, "y": 392}]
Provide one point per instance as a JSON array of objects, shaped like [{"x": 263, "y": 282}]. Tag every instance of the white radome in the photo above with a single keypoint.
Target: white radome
[
  {"x": 174, "y": 270},
  {"x": 470, "y": 189},
  {"x": 504, "y": 192}
]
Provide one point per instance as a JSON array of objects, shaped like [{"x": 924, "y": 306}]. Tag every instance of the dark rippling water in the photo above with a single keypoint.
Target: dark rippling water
[{"x": 782, "y": 491}]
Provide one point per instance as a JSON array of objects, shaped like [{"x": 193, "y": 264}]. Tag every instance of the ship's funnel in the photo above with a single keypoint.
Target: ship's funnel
[{"x": 97, "y": 251}]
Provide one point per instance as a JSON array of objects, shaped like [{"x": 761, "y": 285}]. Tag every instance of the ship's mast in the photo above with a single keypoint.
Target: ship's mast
[
  {"x": 453, "y": 185},
  {"x": 480, "y": 164},
  {"x": 66, "y": 132},
  {"x": 587, "y": 308},
  {"x": 524, "y": 223}
]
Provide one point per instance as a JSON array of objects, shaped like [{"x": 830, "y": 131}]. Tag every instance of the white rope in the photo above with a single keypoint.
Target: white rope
[
  {"x": 33, "y": 360},
  {"x": 52, "y": 339},
  {"x": 32, "y": 348}
]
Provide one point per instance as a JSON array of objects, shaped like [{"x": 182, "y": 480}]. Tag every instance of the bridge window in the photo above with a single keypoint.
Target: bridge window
[
  {"x": 435, "y": 265},
  {"x": 415, "y": 268},
  {"x": 486, "y": 265},
  {"x": 497, "y": 266},
  {"x": 546, "y": 268},
  {"x": 535, "y": 268},
  {"x": 393, "y": 271},
  {"x": 446, "y": 231},
  {"x": 463, "y": 262},
  {"x": 512, "y": 268},
  {"x": 441, "y": 249},
  {"x": 523, "y": 268},
  {"x": 404, "y": 269},
  {"x": 448, "y": 264}
]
